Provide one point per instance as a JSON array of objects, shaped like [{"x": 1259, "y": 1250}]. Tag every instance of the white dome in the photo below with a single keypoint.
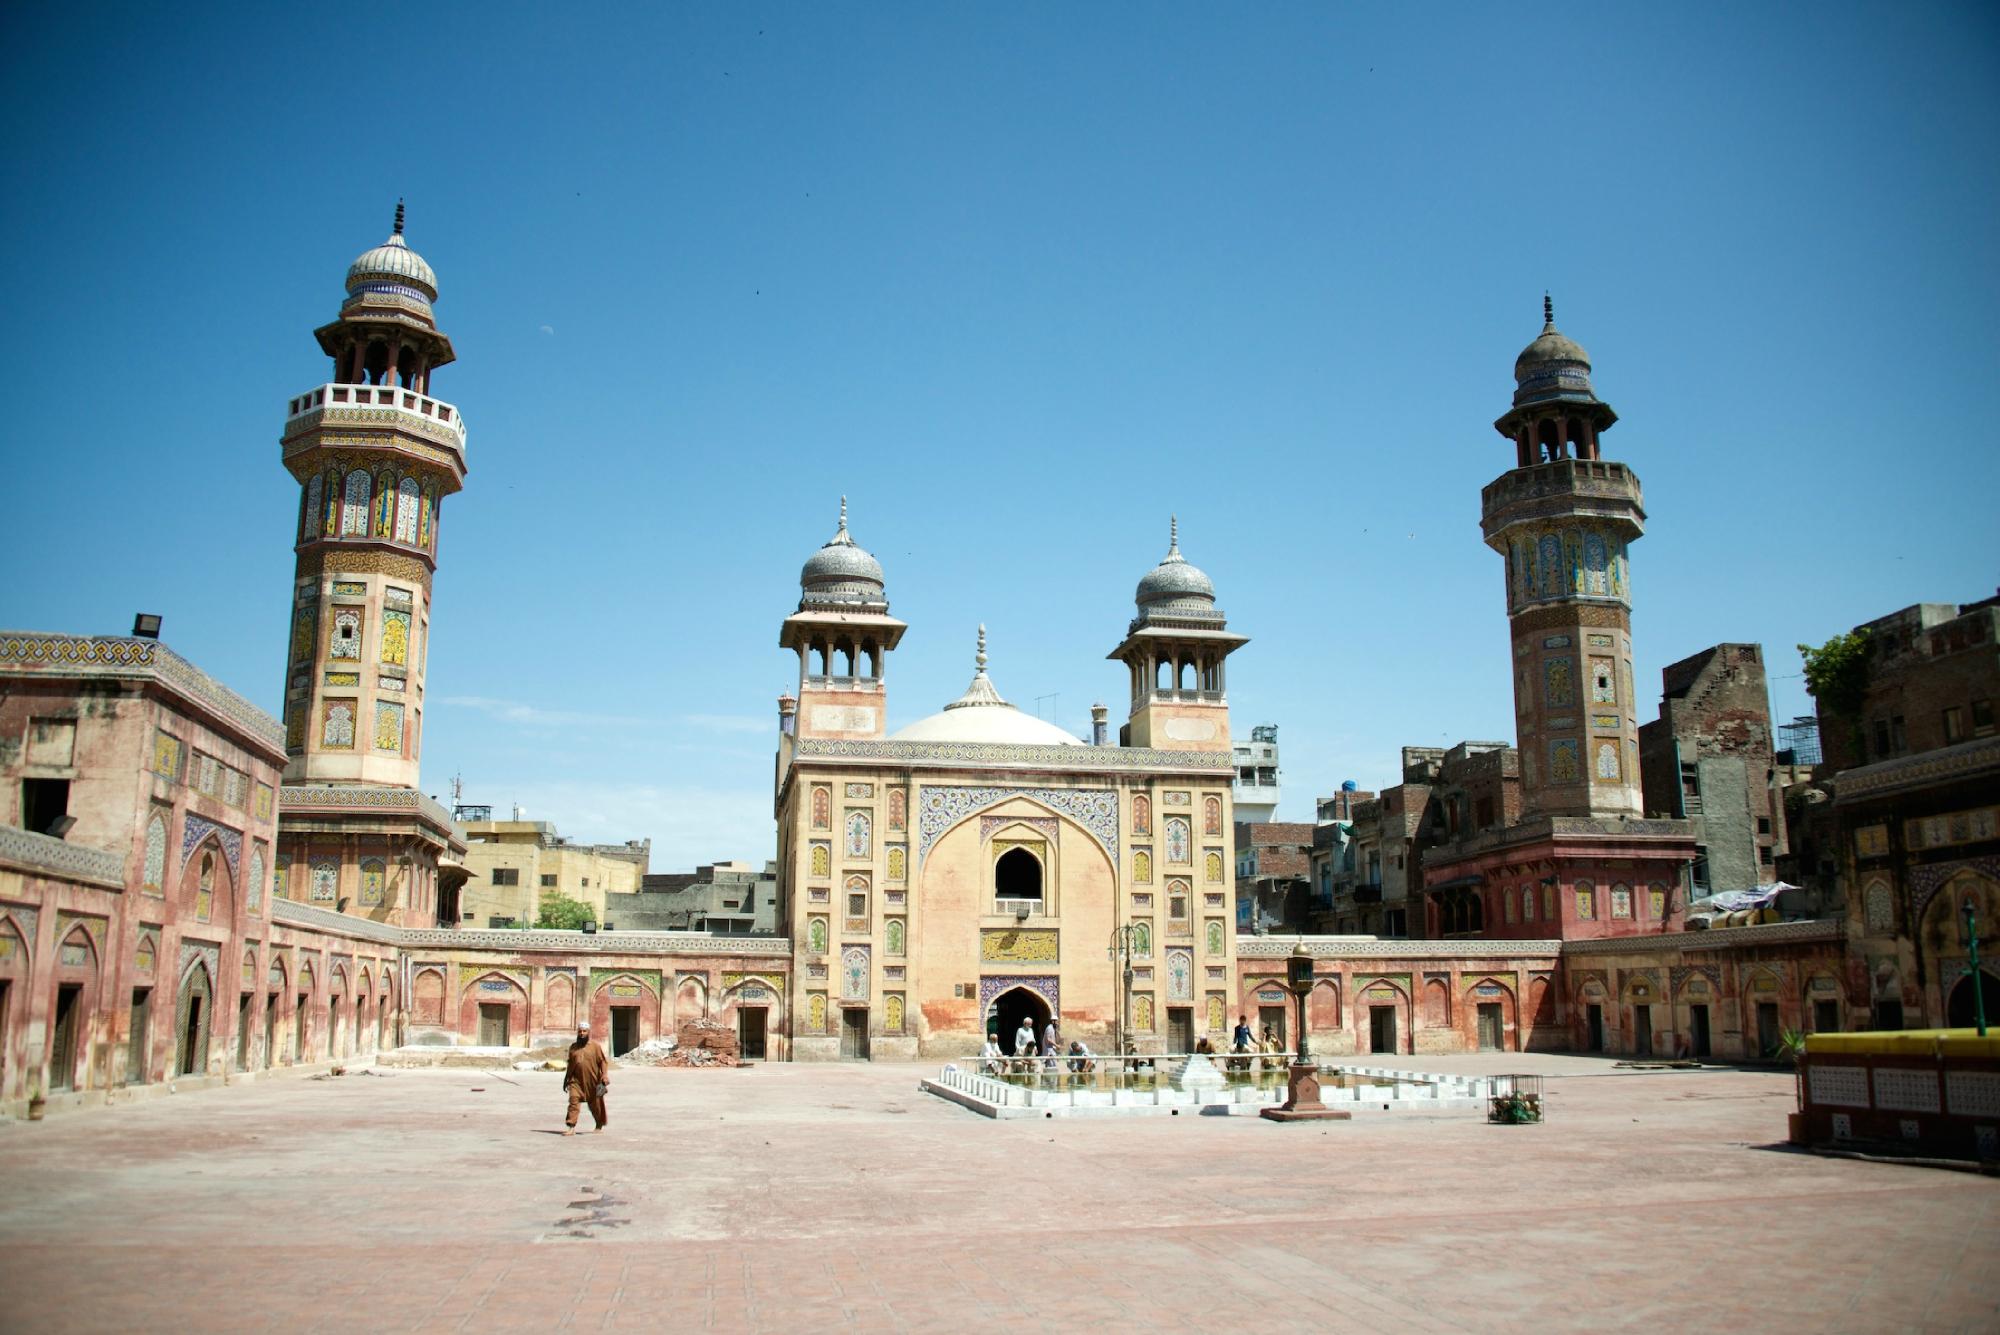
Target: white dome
[
  {"x": 994, "y": 723},
  {"x": 980, "y": 715}
]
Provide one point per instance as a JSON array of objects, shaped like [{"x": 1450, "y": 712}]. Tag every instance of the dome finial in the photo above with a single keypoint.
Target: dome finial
[
  {"x": 399, "y": 219},
  {"x": 843, "y": 514},
  {"x": 1548, "y": 312},
  {"x": 980, "y": 660},
  {"x": 1173, "y": 537}
]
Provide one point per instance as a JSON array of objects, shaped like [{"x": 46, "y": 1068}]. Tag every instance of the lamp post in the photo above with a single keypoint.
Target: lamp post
[
  {"x": 1302, "y": 1088},
  {"x": 1299, "y": 974},
  {"x": 1972, "y": 965},
  {"x": 1120, "y": 952}
]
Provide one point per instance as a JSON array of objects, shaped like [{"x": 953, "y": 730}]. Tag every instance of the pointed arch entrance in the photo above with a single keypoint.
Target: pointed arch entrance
[{"x": 1006, "y": 1011}]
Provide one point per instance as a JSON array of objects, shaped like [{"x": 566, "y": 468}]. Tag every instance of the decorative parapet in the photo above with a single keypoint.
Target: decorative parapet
[
  {"x": 294, "y": 914},
  {"x": 371, "y": 405},
  {"x": 42, "y": 854},
  {"x": 600, "y": 943},
  {"x": 1947, "y": 764},
  {"x": 1371, "y": 947},
  {"x": 1830, "y": 930},
  {"x": 130, "y": 658},
  {"x": 1537, "y": 828},
  {"x": 304, "y": 797},
  {"x": 1010, "y": 755}
]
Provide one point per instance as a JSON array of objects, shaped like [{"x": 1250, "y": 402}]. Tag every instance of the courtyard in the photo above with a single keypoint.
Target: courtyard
[{"x": 783, "y": 1197}]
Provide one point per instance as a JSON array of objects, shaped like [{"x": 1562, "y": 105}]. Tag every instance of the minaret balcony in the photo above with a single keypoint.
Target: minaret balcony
[{"x": 431, "y": 417}]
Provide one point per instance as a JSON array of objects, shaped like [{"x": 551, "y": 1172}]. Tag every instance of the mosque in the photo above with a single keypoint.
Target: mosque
[{"x": 194, "y": 892}]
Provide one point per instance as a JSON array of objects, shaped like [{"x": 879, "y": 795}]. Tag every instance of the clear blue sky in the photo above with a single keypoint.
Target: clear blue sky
[{"x": 1021, "y": 280}]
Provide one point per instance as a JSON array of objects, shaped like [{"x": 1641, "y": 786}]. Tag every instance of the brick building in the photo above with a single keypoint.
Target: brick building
[
  {"x": 1708, "y": 759},
  {"x": 1273, "y": 876},
  {"x": 1916, "y": 829}
]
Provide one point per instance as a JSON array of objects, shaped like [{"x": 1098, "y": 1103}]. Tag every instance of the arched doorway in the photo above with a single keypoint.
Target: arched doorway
[
  {"x": 197, "y": 1001},
  {"x": 1960, "y": 1013},
  {"x": 1004, "y": 1016}
]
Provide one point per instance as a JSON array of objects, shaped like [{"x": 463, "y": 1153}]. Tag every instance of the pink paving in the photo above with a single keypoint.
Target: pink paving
[{"x": 785, "y": 1197}]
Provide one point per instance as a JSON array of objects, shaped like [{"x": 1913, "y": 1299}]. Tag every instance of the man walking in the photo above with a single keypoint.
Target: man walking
[{"x": 587, "y": 1080}]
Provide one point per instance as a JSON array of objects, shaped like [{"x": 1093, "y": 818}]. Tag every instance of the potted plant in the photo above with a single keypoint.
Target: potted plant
[
  {"x": 38, "y": 1104},
  {"x": 1792, "y": 1046}
]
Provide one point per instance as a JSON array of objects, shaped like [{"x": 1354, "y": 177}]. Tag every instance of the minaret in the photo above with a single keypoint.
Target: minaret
[
  {"x": 1174, "y": 649},
  {"x": 1563, "y": 517},
  {"x": 843, "y": 633},
  {"x": 374, "y": 455}
]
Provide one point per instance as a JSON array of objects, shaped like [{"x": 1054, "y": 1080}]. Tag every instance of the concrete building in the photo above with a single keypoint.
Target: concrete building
[
  {"x": 1708, "y": 759},
  {"x": 1256, "y": 786},
  {"x": 512, "y": 864},
  {"x": 724, "y": 898},
  {"x": 374, "y": 456}
]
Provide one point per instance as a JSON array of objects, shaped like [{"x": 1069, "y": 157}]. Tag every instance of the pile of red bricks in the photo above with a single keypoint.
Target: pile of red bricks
[{"x": 705, "y": 1043}]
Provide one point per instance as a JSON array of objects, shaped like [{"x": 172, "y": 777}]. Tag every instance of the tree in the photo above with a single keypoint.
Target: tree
[
  {"x": 1837, "y": 678},
  {"x": 559, "y": 911}
]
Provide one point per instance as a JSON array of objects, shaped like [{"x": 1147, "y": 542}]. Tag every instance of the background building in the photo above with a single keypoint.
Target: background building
[
  {"x": 1257, "y": 775},
  {"x": 1916, "y": 828},
  {"x": 511, "y": 864},
  {"x": 724, "y": 898},
  {"x": 1708, "y": 759},
  {"x": 1273, "y": 876}
]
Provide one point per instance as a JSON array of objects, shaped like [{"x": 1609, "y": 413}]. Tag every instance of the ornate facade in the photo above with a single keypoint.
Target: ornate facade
[
  {"x": 374, "y": 456},
  {"x": 981, "y": 867},
  {"x": 1581, "y": 862}
]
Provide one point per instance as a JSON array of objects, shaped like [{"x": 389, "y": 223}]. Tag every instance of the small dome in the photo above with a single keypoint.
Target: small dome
[
  {"x": 392, "y": 264},
  {"x": 1174, "y": 579},
  {"x": 980, "y": 715},
  {"x": 842, "y": 570},
  {"x": 1554, "y": 366},
  {"x": 1549, "y": 347}
]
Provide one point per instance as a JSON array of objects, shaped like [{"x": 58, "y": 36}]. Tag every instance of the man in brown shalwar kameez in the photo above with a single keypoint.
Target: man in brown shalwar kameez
[{"x": 586, "y": 1081}]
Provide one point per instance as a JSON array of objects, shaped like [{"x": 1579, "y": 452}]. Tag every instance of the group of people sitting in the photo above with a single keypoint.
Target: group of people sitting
[
  {"x": 1031, "y": 1057},
  {"x": 1243, "y": 1043}
]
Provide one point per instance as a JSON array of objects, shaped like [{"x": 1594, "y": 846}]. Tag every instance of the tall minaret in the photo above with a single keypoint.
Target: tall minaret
[
  {"x": 374, "y": 455},
  {"x": 1563, "y": 517},
  {"x": 1174, "y": 650},
  {"x": 842, "y": 633}
]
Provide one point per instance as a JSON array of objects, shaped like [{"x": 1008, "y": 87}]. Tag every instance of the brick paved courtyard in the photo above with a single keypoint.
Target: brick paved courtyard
[{"x": 795, "y": 1197}]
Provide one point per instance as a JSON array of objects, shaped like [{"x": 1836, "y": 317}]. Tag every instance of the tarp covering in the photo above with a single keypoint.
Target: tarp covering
[{"x": 1735, "y": 901}]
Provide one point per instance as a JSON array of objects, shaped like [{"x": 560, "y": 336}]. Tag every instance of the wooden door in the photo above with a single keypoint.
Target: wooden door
[
  {"x": 493, "y": 1024},
  {"x": 1180, "y": 1028},
  {"x": 62, "y": 1054},
  {"x": 854, "y": 1034},
  {"x": 1491, "y": 1027}
]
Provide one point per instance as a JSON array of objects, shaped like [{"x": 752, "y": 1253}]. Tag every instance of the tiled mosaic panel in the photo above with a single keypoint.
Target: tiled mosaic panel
[
  {"x": 1841, "y": 1086},
  {"x": 1973, "y": 1093},
  {"x": 1905, "y": 1091}
]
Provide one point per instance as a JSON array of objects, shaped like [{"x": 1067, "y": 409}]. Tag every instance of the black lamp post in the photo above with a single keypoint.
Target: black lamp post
[
  {"x": 1119, "y": 951},
  {"x": 1299, "y": 974},
  {"x": 1302, "y": 1088},
  {"x": 1972, "y": 965}
]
